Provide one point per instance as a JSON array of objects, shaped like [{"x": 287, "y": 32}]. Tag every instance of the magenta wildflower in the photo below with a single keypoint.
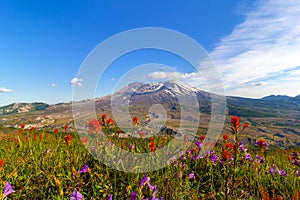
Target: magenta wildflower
[
  {"x": 272, "y": 171},
  {"x": 282, "y": 172},
  {"x": 76, "y": 195},
  {"x": 261, "y": 143},
  {"x": 199, "y": 144},
  {"x": 295, "y": 162},
  {"x": 297, "y": 172},
  {"x": 133, "y": 196},
  {"x": 84, "y": 169},
  {"x": 192, "y": 175},
  {"x": 260, "y": 159},
  {"x": 248, "y": 156},
  {"x": 8, "y": 189},
  {"x": 214, "y": 158},
  {"x": 145, "y": 181},
  {"x": 110, "y": 197}
]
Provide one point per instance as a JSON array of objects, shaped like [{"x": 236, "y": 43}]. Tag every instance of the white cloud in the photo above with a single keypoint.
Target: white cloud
[
  {"x": 257, "y": 84},
  {"x": 170, "y": 75},
  {"x": 53, "y": 85},
  {"x": 266, "y": 43},
  {"x": 5, "y": 90},
  {"x": 76, "y": 82}
]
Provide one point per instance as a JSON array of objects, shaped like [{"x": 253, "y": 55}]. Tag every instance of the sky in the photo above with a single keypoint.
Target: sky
[{"x": 254, "y": 45}]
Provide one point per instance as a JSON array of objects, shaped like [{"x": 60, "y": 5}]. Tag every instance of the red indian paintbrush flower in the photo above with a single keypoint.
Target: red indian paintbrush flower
[
  {"x": 94, "y": 126},
  {"x": 235, "y": 122},
  {"x": 202, "y": 138},
  {"x": 68, "y": 139},
  {"x": 245, "y": 125},
  {"x": 22, "y": 126},
  {"x": 55, "y": 130},
  {"x": 135, "y": 120},
  {"x": 110, "y": 121},
  {"x": 225, "y": 137},
  {"x": 1, "y": 163},
  {"x": 66, "y": 127},
  {"x": 32, "y": 128},
  {"x": 152, "y": 146}
]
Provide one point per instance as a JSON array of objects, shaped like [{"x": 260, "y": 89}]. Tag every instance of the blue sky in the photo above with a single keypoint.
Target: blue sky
[{"x": 254, "y": 44}]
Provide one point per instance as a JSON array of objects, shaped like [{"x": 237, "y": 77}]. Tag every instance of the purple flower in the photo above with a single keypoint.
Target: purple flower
[
  {"x": 133, "y": 196},
  {"x": 297, "y": 172},
  {"x": 84, "y": 169},
  {"x": 110, "y": 197},
  {"x": 199, "y": 144},
  {"x": 282, "y": 172},
  {"x": 182, "y": 158},
  {"x": 76, "y": 195},
  {"x": 192, "y": 175},
  {"x": 272, "y": 171},
  {"x": 294, "y": 155},
  {"x": 214, "y": 158},
  {"x": 248, "y": 156},
  {"x": 295, "y": 162},
  {"x": 260, "y": 159},
  {"x": 144, "y": 181},
  {"x": 8, "y": 189}
]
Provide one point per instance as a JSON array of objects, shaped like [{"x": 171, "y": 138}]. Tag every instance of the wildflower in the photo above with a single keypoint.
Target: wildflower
[
  {"x": 34, "y": 137},
  {"x": 31, "y": 129},
  {"x": 235, "y": 123},
  {"x": 199, "y": 144},
  {"x": 241, "y": 144},
  {"x": 226, "y": 154},
  {"x": 22, "y": 126},
  {"x": 110, "y": 121},
  {"x": 84, "y": 140},
  {"x": 133, "y": 196},
  {"x": 182, "y": 158},
  {"x": 248, "y": 156},
  {"x": 66, "y": 127},
  {"x": 295, "y": 162},
  {"x": 8, "y": 189},
  {"x": 1, "y": 163},
  {"x": 260, "y": 159},
  {"x": 245, "y": 126},
  {"x": 145, "y": 180},
  {"x": 55, "y": 130},
  {"x": 214, "y": 158},
  {"x": 297, "y": 172},
  {"x": 225, "y": 137},
  {"x": 272, "y": 171},
  {"x": 110, "y": 197},
  {"x": 68, "y": 139},
  {"x": 192, "y": 175},
  {"x": 261, "y": 143},
  {"x": 119, "y": 131},
  {"x": 20, "y": 131},
  {"x": 142, "y": 134},
  {"x": 135, "y": 120},
  {"x": 281, "y": 172},
  {"x": 230, "y": 145},
  {"x": 46, "y": 151},
  {"x": 84, "y": 169},
  {"x": 104, "y": 118},
  {"x": 152, "y": 146},
  {"x": 202, "y": 138},
  {"x": 94, "y": 126},
  {"x": 76, "y": 195}
]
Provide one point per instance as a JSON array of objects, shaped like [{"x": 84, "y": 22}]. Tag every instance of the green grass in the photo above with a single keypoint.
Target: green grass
[{"x": 37, "y": 174}]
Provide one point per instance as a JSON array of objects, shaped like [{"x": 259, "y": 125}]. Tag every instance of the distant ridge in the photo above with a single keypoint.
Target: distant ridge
[{"x": 22, "y": 108}]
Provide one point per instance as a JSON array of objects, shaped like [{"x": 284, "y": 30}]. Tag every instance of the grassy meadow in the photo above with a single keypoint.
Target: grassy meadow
[{"x": 55, "y": 164}]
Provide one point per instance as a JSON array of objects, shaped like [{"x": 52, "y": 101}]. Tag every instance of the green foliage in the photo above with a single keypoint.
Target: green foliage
[{"x": 41, "y": 165}]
